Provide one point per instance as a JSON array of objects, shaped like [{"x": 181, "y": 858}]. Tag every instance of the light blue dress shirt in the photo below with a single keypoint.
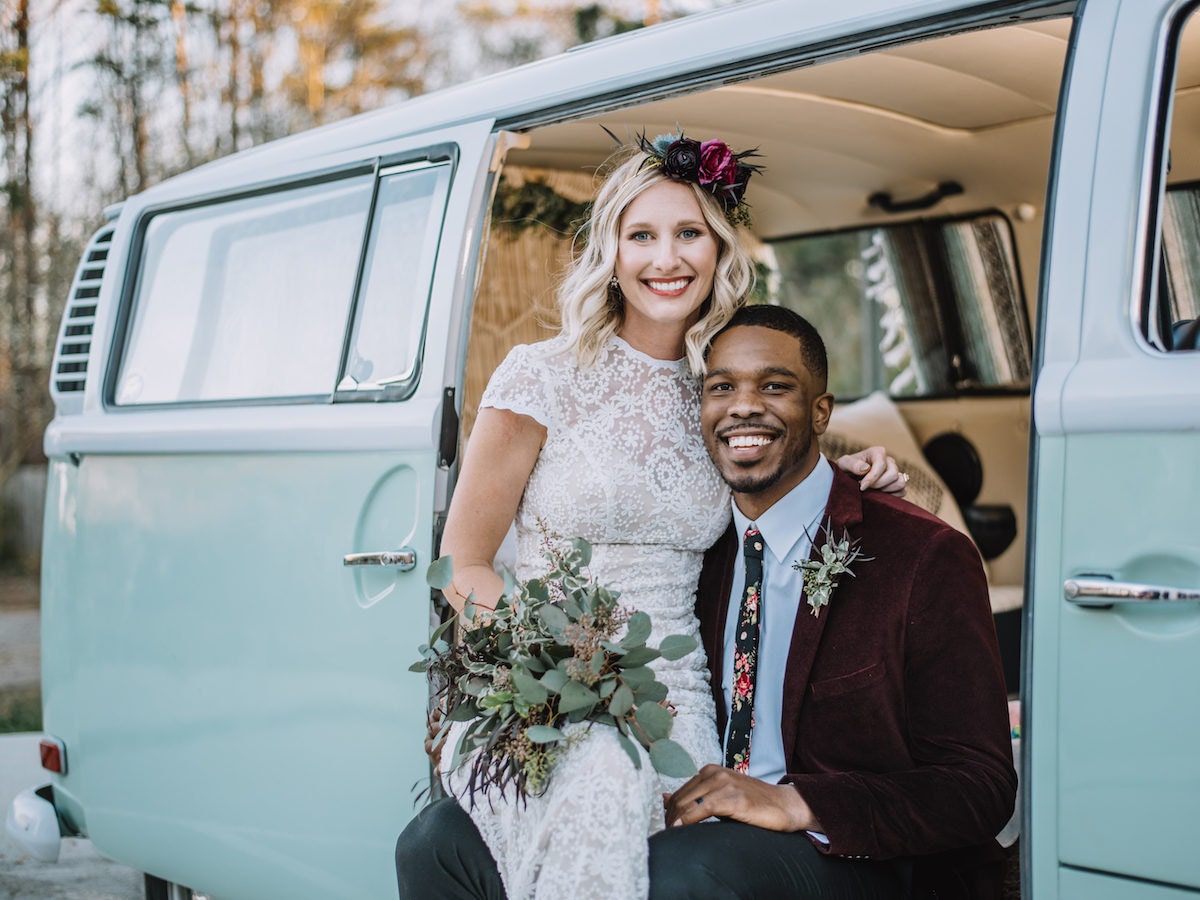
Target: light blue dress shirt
[{"x": 783, "y": 528}]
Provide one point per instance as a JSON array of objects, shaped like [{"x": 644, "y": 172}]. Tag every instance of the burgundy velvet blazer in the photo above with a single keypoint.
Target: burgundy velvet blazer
[{"x": 895, "y": 720}]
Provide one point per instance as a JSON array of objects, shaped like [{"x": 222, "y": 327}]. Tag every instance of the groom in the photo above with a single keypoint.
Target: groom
[
  {"x": 875, "y": 746},
  {"x": 879, "y": 755}
]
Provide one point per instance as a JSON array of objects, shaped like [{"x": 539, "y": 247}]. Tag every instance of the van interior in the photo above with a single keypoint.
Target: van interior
[{"x": 901, "y": 210}]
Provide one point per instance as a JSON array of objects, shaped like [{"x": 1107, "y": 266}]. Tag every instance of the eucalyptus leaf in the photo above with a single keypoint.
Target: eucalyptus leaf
[
  {"x": 440, "y": 573},
  {"x": 544, "y": 734},
  {"x": 583, "y": 551},
  {"x": 637, "y": 677},
  {"x": 572, "y": 608},
  {"x": 606, "y": 688},
  {"x": 676, "y": 646},
  {"x": 495, "y": 700},
  {"x": 510, "y": 582},
  {"x": 532, "y": 691},
  {"x": 654, "y": 720},
  {"x": 670, "y": 759},
  {"x": 476, "y": 686},
  {"x": 597, "y": 664},
  {"x": 576, "y": 696},
  {"x": 639, "y": 656},
  {"x": 420, "y": 665},
  {"x": 464, "y": 712},
  {"x": 638, "y": 631},
  {"x": 651, "y": 693},
  {"x": 440, "y": 631},
  {"x": 553, "y": 680},
  {"x": 631, "y": 748},
  {"x": 614, "y": 649},
  {"x": 622, "y": 701},
  {"x": 553, "y": 618}
]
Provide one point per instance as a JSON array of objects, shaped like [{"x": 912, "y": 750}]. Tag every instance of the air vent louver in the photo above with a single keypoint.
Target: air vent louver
[{"x": 69, "y": 372}]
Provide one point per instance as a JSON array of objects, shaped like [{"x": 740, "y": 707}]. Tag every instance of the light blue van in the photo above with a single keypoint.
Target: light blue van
[{"x": 267, "y": 368}]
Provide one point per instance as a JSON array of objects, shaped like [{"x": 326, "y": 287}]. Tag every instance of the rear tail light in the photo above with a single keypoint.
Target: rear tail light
[{"x": 54, "y": 755}]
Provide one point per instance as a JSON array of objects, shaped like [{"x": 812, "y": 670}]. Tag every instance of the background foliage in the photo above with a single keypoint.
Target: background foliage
[{"x": 100, "y": 99}]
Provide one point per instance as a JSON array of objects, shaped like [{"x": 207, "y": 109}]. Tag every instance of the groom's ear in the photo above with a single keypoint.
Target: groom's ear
[{"x": 822, "y": 409}]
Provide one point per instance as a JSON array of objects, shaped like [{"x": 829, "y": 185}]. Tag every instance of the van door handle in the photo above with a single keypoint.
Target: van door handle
[
  {"x": 404, "y": 559},
  {"x": 1100, "y": 592}
]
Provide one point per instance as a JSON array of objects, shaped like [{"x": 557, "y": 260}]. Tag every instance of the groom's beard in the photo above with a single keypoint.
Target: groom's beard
[{"x": 757, "y": 482}]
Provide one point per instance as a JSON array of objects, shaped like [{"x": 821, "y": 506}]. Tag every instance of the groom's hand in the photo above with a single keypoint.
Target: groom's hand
[{"x": 721, "y": 792}]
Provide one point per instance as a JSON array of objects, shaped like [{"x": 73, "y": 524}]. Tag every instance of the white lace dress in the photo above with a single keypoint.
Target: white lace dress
[{"x": 623, "y": 466}]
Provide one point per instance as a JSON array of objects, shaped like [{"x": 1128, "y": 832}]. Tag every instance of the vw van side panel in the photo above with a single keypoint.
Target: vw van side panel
[
  {"x": 243, "y": 732},
  {"x": 236, "y": 703},
  {"x": 1113, "y": 717}
]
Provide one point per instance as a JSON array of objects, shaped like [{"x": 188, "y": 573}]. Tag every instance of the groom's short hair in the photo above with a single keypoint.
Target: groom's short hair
[{"x": 780, "y": 318}]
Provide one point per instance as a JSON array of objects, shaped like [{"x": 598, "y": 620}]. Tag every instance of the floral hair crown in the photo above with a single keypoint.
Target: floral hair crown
[{"x": 710, "y": 164}]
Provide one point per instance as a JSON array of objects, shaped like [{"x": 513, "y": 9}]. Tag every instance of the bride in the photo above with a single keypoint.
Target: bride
[{"x": 595, "y": 434}]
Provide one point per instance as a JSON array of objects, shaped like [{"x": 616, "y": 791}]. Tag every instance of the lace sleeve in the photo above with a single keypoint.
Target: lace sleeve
[{"x": 523, "y": 384}]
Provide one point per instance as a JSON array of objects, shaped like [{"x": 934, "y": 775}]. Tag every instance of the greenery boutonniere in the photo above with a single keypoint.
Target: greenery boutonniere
[{"x": 834, "y": 560}]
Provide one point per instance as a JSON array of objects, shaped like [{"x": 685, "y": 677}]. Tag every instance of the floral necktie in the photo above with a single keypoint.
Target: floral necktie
[{"x": 745, "y": 657}]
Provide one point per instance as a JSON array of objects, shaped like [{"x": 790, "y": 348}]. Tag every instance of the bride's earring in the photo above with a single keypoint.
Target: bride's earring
[{"x": 614, "y": 284}]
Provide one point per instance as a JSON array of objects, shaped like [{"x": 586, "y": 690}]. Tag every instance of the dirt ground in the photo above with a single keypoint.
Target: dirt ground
[
  {"x": 18, "y": 592},
  {"x": 20, "y": 639}
]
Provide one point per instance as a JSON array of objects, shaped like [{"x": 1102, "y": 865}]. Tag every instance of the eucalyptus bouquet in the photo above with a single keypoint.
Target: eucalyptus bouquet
[{"x": 552, "y": 653}]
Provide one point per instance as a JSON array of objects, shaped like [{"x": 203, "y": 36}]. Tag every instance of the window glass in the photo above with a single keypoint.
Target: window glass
[
  {"x": 387, "y": 335},
  {"x": 1172, "y": 301},
  {"x": 1181, "y": 251},
  {"x": 246, "y": 299},
  {"x": 916, "y": 310}
]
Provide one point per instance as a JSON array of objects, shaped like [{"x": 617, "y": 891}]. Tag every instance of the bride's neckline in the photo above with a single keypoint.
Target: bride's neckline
[{"x": 633, "y": 351}]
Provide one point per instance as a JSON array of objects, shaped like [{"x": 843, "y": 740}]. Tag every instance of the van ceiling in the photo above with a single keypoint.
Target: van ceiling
[{"x": 977, "y": 108}]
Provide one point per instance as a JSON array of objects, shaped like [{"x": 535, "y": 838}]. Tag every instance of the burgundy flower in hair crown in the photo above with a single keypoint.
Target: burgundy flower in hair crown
[{"x": 710, "y": 164}]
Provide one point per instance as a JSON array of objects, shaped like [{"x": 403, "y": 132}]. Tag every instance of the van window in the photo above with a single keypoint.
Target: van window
[
  {"x": 386, "y": 342},
  {"x": 250, "y": 299},
  {"x": 1171, "y": 306},
  {"x": 919, "y": 309},
  {"x": 245, "y": 299}
]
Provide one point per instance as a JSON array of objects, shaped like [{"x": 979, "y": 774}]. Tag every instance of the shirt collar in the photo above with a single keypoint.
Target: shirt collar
[{"x": 783, "y": 525}]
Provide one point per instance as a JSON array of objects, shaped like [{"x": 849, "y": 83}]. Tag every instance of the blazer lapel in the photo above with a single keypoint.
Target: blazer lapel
[
  {"x": 844, "y": 509},
  {"x": 716, "y": 581}
]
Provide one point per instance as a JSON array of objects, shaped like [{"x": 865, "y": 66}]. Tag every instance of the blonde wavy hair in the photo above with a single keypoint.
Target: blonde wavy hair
[{"x": 592, "y": 309}]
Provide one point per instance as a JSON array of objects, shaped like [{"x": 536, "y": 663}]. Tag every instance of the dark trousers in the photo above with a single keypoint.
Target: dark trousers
[{"x": 441, "y": 855}]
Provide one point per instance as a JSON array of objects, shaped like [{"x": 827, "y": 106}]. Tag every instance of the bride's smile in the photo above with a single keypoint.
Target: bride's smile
[{"x": 666, "y": 261}]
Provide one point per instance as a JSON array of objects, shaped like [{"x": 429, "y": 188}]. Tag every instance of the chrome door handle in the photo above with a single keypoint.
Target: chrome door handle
[
  {"x": 1100, "y": 592},
  {"x": 404, "y": 559}
]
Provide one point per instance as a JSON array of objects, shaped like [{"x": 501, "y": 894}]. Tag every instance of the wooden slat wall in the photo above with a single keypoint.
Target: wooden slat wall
[{"x": 516, "y": 300}]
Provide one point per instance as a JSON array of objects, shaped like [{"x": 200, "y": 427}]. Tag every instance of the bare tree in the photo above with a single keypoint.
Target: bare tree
[
  {"x": 349, "y": 59},
  {"x": 23, "y": 354}
]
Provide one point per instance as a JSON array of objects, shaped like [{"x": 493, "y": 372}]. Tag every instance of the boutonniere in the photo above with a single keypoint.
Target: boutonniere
[{"x": 835, "y": 558}]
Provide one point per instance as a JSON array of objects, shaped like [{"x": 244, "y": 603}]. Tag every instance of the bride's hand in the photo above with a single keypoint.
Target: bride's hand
[{"x": 875, "y": 470}]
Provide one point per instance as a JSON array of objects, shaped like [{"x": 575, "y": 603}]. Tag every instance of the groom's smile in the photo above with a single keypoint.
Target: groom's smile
[{"x": 760, "y": 412}]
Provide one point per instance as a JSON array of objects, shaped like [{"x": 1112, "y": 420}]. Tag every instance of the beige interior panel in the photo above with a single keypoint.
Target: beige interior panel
[{"x": 999, "y": 429}]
